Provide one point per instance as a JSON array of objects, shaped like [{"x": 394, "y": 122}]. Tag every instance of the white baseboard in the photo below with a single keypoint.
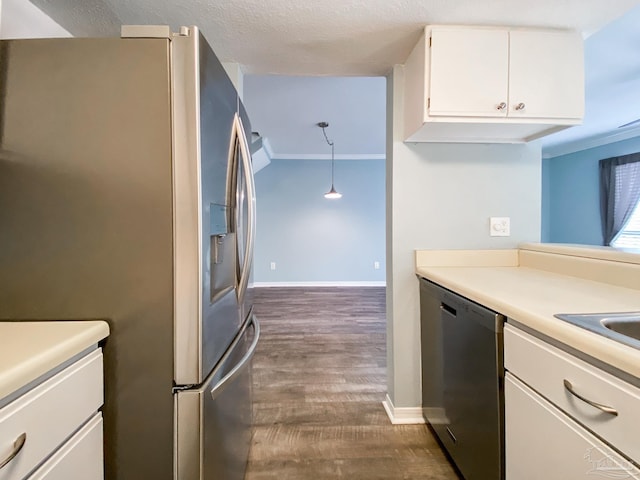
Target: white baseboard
[
  {"x": 319, "y": 284},
  {"x": 403, "y": 415}
]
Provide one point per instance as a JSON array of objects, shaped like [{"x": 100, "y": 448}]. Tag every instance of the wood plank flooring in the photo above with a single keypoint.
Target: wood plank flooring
[{"x": 319, "y": 382}]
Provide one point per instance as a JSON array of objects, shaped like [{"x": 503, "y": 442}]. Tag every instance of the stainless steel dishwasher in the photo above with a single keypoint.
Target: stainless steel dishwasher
[{"x": 463, "y": 380}]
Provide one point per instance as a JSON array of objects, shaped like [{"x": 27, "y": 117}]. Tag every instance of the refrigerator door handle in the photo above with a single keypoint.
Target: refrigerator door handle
[
  {"x": 251, "y": 208},
  {"x": 237, "y": 370}
]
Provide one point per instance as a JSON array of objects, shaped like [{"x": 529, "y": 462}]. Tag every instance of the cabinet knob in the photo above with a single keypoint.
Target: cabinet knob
[
  {"x": 520, "y": 106},
  {"x": 501, "y": 106}
]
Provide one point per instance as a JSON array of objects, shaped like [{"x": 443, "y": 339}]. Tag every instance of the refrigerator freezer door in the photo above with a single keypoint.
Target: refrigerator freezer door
[{"x": 213, "y": 422}]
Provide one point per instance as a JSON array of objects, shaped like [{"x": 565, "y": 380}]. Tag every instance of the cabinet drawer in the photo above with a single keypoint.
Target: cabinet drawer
[
  {"x": 49, "y": 414},
  {"x": 81, "y": 457},
  {"x": 544, "y": 443},
  {"x": 545, "y": 368}
]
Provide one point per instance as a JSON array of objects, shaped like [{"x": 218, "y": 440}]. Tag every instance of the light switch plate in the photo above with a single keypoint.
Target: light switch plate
[{"x": 500, "y": 226}]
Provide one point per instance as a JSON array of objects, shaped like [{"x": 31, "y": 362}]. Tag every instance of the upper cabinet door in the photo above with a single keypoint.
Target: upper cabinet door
[
  {"x": 546, "y": 75},
  {"x": 469, "y": 72}
]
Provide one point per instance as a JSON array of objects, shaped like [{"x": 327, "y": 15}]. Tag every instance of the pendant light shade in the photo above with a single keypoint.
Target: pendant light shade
[{"x": 333, "y": 193}]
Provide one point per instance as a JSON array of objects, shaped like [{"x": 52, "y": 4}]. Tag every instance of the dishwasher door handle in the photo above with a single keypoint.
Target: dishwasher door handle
[
  {"x": 453, "y": 437},
  {"x": 450, "y": 310}
]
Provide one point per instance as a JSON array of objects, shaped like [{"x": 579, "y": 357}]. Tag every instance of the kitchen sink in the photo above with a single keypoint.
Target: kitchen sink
[
  {"x": 623, "y": 327},
  {"x": 628, "y": 326}
]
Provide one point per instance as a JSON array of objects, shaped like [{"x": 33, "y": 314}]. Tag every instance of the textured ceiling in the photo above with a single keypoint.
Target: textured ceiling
[
  {"x": 366, "y": 38},
  {"x": 329, "y": 37}
]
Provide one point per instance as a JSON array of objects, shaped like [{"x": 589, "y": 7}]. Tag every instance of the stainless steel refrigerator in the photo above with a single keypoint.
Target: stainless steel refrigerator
[{"x": 127, "y": 194}]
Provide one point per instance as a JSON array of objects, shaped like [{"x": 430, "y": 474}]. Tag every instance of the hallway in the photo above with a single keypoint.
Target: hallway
[{"x": 319, "y": 382}]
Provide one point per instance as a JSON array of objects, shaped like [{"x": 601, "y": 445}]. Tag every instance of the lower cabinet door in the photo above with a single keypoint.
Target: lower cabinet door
[
  {"x": 79, "y": 458},
  {"x": 544, "y": 443}
]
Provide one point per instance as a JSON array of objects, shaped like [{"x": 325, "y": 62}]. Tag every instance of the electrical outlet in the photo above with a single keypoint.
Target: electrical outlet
[
  {"x": 273, "y": 265},
  {"x": 500, "y": 226},
  {"x": 376, "y": 265}
]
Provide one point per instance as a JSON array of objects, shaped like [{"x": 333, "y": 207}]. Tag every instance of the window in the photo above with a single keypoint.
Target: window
[
  {"x": 620, "y": 200},
  {"x": 629, "y": 236}
]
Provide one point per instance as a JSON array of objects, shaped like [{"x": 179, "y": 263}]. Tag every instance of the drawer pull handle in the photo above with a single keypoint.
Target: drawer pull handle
[
  {"x": 17, "y": 446},
  {"x": 599, "y": 406}
]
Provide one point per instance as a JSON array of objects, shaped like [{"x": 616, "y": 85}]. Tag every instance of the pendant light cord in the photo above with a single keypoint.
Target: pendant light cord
[
  {"x": 331, "y": 144},
  {"x": 331, "y": 194}
]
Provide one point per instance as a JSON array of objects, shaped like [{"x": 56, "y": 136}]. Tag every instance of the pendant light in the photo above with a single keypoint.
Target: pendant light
[{"x": 333, "y": 193}]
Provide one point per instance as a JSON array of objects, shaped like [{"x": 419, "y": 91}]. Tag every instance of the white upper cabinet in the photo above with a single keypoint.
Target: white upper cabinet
[
  {"x": 546, "y": 75},
  {"x": 469, "y": 72},
  {"x": 492, "y": 85}
]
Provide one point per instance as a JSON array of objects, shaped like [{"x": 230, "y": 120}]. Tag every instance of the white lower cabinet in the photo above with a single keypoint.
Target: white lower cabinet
[
  {"x": 80, "y": 457},
  {"x": 54, "y": 430},
  {"x": 571, "y": 383},
  {"x": 544, "y": 443},
  {"x": 565, "y": 418}
]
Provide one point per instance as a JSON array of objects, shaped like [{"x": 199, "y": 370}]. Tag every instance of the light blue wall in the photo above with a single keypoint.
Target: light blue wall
[
  {"x": 545, "y": 233},
  {"x": 441, "y": 196},
  {"x": 571, "y": 193},
  {"x": 572, "y": 205},
  {"x": 312, "y": 239}
]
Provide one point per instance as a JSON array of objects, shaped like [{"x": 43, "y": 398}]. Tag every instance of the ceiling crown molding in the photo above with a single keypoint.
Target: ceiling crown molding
[
  {"x": 321, "y": 156},
  {"x": 590, "y": 142}
]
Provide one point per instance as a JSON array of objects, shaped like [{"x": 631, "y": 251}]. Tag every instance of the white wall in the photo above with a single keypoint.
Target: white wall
[
  {"x": 22, "y": 19},
  {"x": 440, "y": 196}
]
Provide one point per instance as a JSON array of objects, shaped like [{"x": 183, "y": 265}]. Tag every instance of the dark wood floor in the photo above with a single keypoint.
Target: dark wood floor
[{"x": 319, "y": 380}]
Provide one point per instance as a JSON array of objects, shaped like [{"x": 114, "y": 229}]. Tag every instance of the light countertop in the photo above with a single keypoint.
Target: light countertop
[
  {"x": 531, "y": 296},
  {"x": 29, "y": 350}
]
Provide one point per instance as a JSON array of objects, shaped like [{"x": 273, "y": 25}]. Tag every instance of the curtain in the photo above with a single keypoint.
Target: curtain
[{"x": 619, "y": 192}]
